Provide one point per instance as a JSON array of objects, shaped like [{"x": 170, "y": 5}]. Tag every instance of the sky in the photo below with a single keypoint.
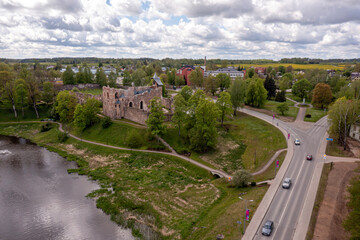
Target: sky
[{"x": 225, "y": 29}]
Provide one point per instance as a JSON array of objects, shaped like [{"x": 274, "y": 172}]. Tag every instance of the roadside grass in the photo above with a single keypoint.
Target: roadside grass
[
  {"x": 160, "y": 196},
  {"x": 272, "y": 106},
  {"x": 316, "y": 114},
  {"x": 243, "y": 142},
  {"x": 223, "y": 217},
  {"x": 121, "y": 135},
  {"x": 296, "y": 98},
  {"x": 270, "y": 172},
  {"x": 319, "y": 198},
  {"x": 7, "y": 115},
  {"x": 95, "y": 91},
  {"x": 334, "y": 149}
]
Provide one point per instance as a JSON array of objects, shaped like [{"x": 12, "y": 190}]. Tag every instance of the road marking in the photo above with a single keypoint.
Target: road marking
[{"x": 287, "y": 202}]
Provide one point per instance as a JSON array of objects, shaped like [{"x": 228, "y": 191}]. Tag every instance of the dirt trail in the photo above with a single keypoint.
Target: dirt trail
[{"x": 333, "y": 208}]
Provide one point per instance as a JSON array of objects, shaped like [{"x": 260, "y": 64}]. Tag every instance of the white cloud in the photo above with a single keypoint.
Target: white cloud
[{"x": 180, "y": 28}]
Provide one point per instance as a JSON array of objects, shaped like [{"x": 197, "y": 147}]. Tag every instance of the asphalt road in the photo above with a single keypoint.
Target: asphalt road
[{"x": 287, "y": 204}]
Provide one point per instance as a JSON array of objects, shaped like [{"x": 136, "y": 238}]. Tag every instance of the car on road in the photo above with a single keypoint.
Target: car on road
[
  {"x": 286, "y": 183},
  {"x": 267, "y": 228},
  {"x": 309, "y": 157},
  {"x": 297, "y": 142}
]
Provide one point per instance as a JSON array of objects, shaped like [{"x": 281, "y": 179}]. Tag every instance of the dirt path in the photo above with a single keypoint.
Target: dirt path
[{"x": 333, "y": 208}]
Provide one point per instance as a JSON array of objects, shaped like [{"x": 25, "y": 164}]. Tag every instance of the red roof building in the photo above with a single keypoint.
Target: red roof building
[{"x": 185, "y": 73}]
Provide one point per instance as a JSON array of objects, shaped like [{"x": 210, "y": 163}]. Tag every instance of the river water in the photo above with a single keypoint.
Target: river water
[{"x": 40, "y": 200}]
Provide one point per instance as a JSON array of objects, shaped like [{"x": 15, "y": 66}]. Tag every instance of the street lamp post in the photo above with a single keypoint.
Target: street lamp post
[{"x": 245, "y": 210}]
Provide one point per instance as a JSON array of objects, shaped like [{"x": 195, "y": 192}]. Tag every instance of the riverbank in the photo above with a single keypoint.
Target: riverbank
[{"x": 155, "y": 195}]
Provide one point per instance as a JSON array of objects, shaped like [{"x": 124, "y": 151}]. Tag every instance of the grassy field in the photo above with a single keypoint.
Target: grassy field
[
  {"x": 316, "y": 114},
  {"x": 296, "y": 98},
  {"x": 319, "y": 197},
  {"x": 96, "y": 91},
  {"x": 270, "y": 172},
  {"x": 121, "y": 135},
  {"x": 295, "y": 66},
  {"x": 334, "y": 149},
  {"x": 223, "y": 217},
  {"x": 272, "y": 106},
  {"x": 7, "y": 115},
  {"x": 164, "y": 196},
  {"x": 244, "y": 141}
]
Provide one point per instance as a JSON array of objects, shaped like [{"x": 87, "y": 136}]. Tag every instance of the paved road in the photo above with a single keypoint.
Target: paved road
[{"x": 284, "y": 206}]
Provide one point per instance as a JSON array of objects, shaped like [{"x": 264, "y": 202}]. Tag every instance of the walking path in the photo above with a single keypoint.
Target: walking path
[{"x": 272, "y": 159}]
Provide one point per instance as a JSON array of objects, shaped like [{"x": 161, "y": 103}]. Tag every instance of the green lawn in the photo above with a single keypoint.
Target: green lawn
[
  {"x": 270, "y": 172},
  {"x": 96, "y": 91},
  {"x": 161, "y": 193},
  {"x": 272, "y": 106},
  {"x": 244, "y": 142},
  {"x": 316, "y": 114},
  {"x": 7, "y": 115},
  {"x": 296, "y": 98},
  {"x": 118, "y": 134}
]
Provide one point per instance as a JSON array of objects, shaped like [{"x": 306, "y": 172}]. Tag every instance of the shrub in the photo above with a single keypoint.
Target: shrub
[
  {"x": 46, "y": 127},
  {"x": 241, "y": 178},
  {"x": 253, "y": 184},
  {"x": 134, "y": 139},
  {"x": 106, "y": 122},
  {"x": 62, "y": 136},
  {"x": 308, "y": 115}
]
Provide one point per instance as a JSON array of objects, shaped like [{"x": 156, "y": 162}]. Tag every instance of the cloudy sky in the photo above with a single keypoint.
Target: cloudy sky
[{"x": 231, "y": 29}]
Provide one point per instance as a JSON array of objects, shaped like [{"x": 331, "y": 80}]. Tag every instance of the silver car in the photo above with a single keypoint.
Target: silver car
[
  {"x": 297, "y": 142},
  {"x": 267, "y": 228},
  {"x": 286, "y": 183}
]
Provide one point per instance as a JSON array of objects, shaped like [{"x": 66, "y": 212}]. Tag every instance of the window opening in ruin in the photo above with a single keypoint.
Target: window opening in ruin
[
  {"x": 130, "y": 104},
  {"x": 141, "y": 105},
  {"x": 107, "y": 95}
]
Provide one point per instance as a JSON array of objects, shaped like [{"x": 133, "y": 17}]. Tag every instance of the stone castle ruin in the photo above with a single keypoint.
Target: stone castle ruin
[{"x": 132, "y": 103}]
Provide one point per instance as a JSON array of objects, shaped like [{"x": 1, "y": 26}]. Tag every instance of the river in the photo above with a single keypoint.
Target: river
[{"x": 40, "y": 200}]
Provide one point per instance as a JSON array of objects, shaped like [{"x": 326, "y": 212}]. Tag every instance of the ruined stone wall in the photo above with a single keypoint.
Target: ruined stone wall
[
  {"x": 136, "y": 115},
  {"x": 81, "y": 97}
]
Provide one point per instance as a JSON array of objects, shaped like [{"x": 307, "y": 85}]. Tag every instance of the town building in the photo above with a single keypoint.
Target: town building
[
  {"x": 355, "y": 131},
  {"x": 185, "y": 72},
  {"x": 231, "y": 71}
]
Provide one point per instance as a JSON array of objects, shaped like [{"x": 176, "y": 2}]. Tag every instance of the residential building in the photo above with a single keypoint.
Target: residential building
[
  {"x": 231, "y": 71},
  {"x": 355, "y": 131}
]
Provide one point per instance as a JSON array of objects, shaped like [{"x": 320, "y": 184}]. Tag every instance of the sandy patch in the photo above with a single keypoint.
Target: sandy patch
[{"x": 333, "y": 208}]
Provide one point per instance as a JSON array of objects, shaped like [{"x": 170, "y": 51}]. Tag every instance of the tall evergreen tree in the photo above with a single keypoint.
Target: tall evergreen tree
[{"x": 270, "y": 86}]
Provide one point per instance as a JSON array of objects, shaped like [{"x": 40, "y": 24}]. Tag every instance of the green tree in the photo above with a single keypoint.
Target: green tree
[
  {"x": 270, "y": 86},
  {"x": 65, "y": 106},
  {"x": 281, "y": 69},
  {"x": 301, "y": 88},
  {"x": 48, "y": 92},
  {"x": 179, "y": 115},
  {"x": 155, "y": 122},
  {"x": 179, "y": 81},
  {"x": 196, "y": 77},
  {"x": 204, "y": 134},
  {"x": 211, "y": 84},
  {"x": 280, "y": 96},
  {"x": 8, "y": 93},
  {"x": 241, "y": 178},
  {"x": 256, "y": 93},
  {"x": 86, "y": 115},
  {"x": 112, "y": 79},
  {"x": 32, "y": 85},
  {"x": 21, "y": 94},
  {"x": 342, "y": 114},
  {"x": 139, "y": 77},
  {"x": 250, "y": 73},
  {"x": 69, "y": 76},
  {"x": 238, "y": 93},
  {"x": 186, "y": 92},
  {"x": 283, "y": 108},
  {"x": 127, "y": 78},
  {"x": 100, "y": 77},
  {"x": 223, "y": 80},
  {"x": 224, "y": 105},
  {"x": 286, "y": 81},
  {"x": 322, "y": 95}
]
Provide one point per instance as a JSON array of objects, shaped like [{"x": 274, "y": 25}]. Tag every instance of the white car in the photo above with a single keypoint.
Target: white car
[
  {"x": 286, "y": 183},
  {"x": 297, "y": 142}
]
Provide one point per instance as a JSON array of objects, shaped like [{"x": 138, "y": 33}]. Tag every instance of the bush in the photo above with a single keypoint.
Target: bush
[
  {"x": 253, "y": 184},
  {"x": 308, "y": 115},
  {"x": 46, "y": 127},
  {"x": 241, "y": 178},
  {"x": 106, "y": 122},
  {"x": 134, "y": 139},
  {"x": 62, "y": 136}
]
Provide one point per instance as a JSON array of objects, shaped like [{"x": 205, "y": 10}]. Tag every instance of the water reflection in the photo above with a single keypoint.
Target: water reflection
[{"x": 39, "y": 200}]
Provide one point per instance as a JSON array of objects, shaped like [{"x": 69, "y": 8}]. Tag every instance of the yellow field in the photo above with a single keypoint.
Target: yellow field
[{"x": 295, "y": 66}]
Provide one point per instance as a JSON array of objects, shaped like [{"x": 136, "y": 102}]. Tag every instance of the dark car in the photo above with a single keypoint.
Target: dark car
[
  {"x": 267, "y": 228},
  {"x": 309, "y": 157}
]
